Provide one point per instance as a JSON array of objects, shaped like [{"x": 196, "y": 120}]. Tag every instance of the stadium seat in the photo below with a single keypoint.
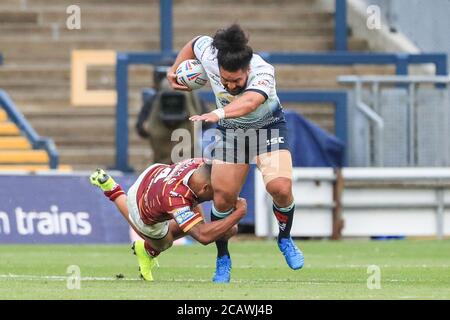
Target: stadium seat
[
  {"x": 32, "y": 168},
  {"x": 8, "y": 129},
  {"x": 16, "y": 152},
  {"x": 24, "y": 156},
  {"x": 14, "y": 142},
  {"x": 3, "y": 116}
]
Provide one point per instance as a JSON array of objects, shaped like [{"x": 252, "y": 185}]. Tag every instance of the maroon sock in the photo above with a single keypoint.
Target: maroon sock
[{"x": 152, "y": 252}]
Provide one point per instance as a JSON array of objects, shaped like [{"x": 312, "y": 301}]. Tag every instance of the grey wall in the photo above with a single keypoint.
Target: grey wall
[{"x": 425, "y": 22}]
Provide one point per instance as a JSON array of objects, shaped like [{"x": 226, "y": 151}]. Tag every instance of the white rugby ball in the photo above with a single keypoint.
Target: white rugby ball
[{"x": 191, "y": 74}]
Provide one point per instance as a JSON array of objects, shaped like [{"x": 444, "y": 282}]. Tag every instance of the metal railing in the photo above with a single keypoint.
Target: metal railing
[
  {"x": 412, "y": 82},
  {"x": 21, "y": 122},
  {"x": 356, "y": 207}
]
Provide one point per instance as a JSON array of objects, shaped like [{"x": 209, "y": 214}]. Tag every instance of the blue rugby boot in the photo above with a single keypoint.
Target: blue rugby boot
[
  {"x": 294, "y": 257},
  {"x": 223, "y": 270}
]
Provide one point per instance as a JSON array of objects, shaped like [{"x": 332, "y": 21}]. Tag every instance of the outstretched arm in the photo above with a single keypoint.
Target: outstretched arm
[
  {"x": 206, "y": 233},
  {"x": 239, "y": 107}
]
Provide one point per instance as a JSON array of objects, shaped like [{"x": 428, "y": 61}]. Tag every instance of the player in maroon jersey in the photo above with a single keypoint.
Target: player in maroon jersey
[{"x": 162, "y": 206}]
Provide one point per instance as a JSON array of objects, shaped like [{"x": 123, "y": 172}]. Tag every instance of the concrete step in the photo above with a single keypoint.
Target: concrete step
[
  {"x": 103, "y": 156},
  {"x": 137, "y": 169},
  {"x": 181, "y": 10},
  {"x": 19, "y": 48},
  {"x": 182, "y": 31},
  {"x": 93, "y": 127},
  {"x": 245, "y": 2},
  {"x": 88, "y": 142},
  {"x": 93, "y": 84},
  {"x": 321, "y": 115},
  {"x": 57, "y": 74},
  {"x": 30, "y": 104},
  {"x": 74, "y": 112},
  {"x": 190, "y": 27},
  {"x": 23, "y": 157},
  {"x": 14, "y": 143},
  {"x": 30, "y": 3},
  {"x": 34, "y": 86},
  {"x": 18, "y": 17},
  {"x": 16, "y": 56},
  {"x": 230, "y": 6},
  {"x": 62, "y": 96},
  {"x": 60, "y": 74},
  {"x": 81, "y": 113},
  {"x": 311, "y": 109},
  {"x": 75, "y": 117},
  {"x": 143, "y": 13},
  {"x": 65, "y": 45}
]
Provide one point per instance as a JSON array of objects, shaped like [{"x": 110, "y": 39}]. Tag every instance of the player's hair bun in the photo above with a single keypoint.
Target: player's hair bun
[
  {"x": 232, "y": 39},
  {"x": 233, "y": 52}
]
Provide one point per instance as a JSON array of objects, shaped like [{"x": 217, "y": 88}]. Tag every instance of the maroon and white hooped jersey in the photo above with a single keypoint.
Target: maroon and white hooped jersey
[{"x": 164, "y": 194}]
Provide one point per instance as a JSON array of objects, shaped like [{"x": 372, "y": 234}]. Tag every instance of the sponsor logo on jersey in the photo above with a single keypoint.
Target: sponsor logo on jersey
[
  {"x": 183, "y": 215},
  {"x": 225, "y": 98},
  {"x": 275, "y": 141},
  {"x": 264, "y": 83}
]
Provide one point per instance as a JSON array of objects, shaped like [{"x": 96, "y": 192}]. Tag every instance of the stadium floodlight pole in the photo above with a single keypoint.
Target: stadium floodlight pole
[{"x": 166, "y": 27}]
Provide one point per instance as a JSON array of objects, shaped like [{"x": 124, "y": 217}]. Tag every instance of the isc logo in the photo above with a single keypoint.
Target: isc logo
[{"x": 275, "y": 141}]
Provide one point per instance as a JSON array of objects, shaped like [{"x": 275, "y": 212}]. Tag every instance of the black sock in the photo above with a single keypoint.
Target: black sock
[
  {"x": 222, "y": 245},
  {"x": 284, "y": 216}
]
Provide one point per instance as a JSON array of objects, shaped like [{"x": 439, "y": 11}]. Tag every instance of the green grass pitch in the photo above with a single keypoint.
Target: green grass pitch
[{"x": 409, "y": 269}]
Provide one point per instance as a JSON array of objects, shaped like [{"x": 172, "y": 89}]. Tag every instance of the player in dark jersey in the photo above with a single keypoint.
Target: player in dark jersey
[{"x": 162, "y": 206}]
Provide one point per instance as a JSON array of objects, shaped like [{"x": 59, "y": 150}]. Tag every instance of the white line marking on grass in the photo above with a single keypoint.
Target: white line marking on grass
[
  {"x": 60, "y": 278},
  {"x": 23, "y": 277},
  {"x": 317, "y": 282},
  {"x": 351, "y": 266},
  {"x": 26, "y": 277}
]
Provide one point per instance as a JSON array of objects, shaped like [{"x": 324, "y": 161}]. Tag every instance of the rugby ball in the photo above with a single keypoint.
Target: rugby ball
[{"x": 191, "y": 74}]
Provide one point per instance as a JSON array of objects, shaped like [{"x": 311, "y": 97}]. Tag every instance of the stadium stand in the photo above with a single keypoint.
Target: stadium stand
[
  {"x": 21, "y": 148},
  {"x": 37, "y": 47}
]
